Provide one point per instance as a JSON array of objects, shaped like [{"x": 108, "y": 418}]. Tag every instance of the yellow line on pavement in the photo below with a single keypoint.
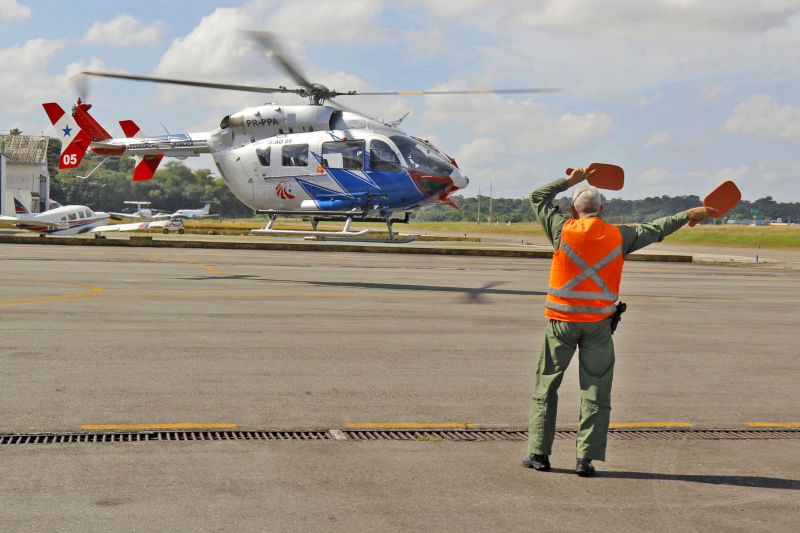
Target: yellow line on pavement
[
  {"x": 214, "y": 270},
  {"x": 650, "y": 425},
  {"x": 410, "y": 425},
  {"x": 92, "y": 291},
  {"x": 774, "y": 424},
  {"x": 180, "y": 425}
]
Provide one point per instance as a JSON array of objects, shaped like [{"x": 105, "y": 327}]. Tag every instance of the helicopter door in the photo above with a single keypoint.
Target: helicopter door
[
  {"x": 260, "y": 163},
  {"x": 236, "y": 174}
]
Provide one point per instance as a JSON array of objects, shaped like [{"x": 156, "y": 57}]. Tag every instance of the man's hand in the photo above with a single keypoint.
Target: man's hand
[
  {"x": 578, "y": 175},
  {"x": 700, "y": 214}
]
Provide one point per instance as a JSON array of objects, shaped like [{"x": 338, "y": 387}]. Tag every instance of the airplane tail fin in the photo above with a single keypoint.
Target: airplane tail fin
[
  {"x": 74, "y": 139},
  {"x": 19, "y": 207}
]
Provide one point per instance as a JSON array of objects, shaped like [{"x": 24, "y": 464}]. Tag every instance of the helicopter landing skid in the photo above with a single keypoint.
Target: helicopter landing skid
[{"x": 314, "y": 232}]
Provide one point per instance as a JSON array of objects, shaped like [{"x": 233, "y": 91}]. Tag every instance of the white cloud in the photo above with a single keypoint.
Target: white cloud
[
  {"x": 124, "y": 30},
  {"x": 626, "y": 47},
  {"x": 527, "y": 126},
  {"x": 649, "y": 101},
  {"x": 763, "y": 116},
  {"x": 657, "y": 139},
  {"x": 666, "y": 20},
  {"x": 13, "y": 10},
  {"x": 655, "y": 176},
  {"x": 27, "y": 84},
  {"x": 714, "y": 92},
  {"x": 427, "y": 42}
]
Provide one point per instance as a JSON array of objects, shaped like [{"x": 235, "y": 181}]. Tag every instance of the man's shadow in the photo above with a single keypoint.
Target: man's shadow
[{"x": 736, "y": 481}]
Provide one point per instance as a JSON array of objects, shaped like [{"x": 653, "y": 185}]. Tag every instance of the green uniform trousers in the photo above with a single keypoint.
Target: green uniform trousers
[{"x": 596, "y": 358}]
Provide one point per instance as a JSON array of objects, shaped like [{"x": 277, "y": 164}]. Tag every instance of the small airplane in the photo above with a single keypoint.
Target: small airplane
[
  {"x": 321, "y": 161},
  {"x": 145, "y": 213},
  {"x": 194, "y": 214},
  {"x": 141, "y": 213},
  {"x": 74, "y": 219}
]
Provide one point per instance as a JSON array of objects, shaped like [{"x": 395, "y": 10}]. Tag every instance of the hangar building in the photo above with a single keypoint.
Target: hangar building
[{"x": 25, "y": 171}]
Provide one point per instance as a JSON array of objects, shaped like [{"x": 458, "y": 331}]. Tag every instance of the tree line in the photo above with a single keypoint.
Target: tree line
[
  {"x": 175, "y": 186},
  {"x": 616, "y": 210}
]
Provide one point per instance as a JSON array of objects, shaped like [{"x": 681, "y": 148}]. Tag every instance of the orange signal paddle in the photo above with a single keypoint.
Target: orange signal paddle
[
  {"x": 605, "y": 176},
  {"x": 723, "y": 198}
]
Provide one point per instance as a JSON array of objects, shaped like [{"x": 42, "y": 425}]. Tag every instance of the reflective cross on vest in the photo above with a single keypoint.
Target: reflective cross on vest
[{"x": 586, "y": 272}]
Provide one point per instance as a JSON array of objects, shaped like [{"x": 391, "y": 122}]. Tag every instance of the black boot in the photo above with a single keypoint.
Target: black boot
[
  {"x": 537, "y": 462},
  {"x": 584, "y": 467}
]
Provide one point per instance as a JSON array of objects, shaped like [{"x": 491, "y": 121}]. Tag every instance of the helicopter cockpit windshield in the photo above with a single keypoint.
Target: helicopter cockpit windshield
[{"x": 422, "y": 157}]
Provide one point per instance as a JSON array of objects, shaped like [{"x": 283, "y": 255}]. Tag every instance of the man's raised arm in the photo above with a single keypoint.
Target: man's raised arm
[{"x": 638, "y": 236}]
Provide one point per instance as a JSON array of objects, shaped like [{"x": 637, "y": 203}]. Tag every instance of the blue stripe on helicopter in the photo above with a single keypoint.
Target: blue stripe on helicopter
[{"x": 314, "y": 190}]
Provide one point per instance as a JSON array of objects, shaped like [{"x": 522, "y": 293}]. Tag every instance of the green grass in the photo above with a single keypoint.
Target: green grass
[{"x": 783, "y": 237}]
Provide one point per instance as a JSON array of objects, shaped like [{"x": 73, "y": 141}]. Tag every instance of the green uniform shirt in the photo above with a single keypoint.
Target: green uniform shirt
[{"x": 634, "y": 237}]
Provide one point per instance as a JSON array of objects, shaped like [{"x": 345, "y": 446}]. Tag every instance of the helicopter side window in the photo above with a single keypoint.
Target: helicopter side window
[
  {"x": 294, "y": 155},
  {"x": 382, "y": 158},
  {"x": 351, "y": 154},
  {"x": 263, "y": 156}
]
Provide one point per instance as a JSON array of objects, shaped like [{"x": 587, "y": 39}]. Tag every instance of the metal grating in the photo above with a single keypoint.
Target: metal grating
[
  {"x": 160, "y": 436},
  {"x": 419, "y": 435}
]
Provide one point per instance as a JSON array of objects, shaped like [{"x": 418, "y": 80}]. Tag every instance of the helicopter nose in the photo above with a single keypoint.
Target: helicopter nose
[{"x": 459, "y": 179}]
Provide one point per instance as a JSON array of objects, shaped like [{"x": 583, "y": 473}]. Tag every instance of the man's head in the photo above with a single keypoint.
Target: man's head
[{"x": 586, "y": 201}]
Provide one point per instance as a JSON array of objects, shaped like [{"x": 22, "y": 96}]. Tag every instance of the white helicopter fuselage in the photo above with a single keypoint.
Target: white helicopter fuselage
[{"x": 316, "y": 158}]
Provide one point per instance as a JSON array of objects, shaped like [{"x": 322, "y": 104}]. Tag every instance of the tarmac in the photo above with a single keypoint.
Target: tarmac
[{"x": 140, "y": 337}]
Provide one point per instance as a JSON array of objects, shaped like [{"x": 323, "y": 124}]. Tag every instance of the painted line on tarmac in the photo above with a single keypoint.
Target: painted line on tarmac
[
  {"x": 650, "y": 425},
  {"x": 93, "y": 290},
  {"x": 179, "y": 425},
  {"x": 211, "y": 269},
  {"x": 774, "y": 424},
  {"x": 411, "y": 425}
]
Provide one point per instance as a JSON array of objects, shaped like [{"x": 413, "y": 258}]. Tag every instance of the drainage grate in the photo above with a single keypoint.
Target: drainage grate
[
  {"x": 469, "y": 435},
  {"x": 613, "y": 434},
  {"x": 160, "y": 436}
]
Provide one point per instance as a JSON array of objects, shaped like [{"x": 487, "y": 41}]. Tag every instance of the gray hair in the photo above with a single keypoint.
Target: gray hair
[{"x": 587, "y": 200}]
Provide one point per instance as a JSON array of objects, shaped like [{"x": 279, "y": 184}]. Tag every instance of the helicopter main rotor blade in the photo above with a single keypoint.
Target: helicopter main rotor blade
[
  {"x": 190, "y": 83},
  {"x": 269, "y": 42},
  {"x": 468, "y": 91}
]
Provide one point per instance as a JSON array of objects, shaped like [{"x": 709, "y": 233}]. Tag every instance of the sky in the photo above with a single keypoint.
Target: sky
[{"x": 683, "y": 94}]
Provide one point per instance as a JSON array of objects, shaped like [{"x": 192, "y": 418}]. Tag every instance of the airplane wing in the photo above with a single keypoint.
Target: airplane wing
[
  {"x": 133, "y": 226},
  {"x": 126, "y": 215},
  {"x": 26, "y": 222},
  {"x": 192, "y": 217}
]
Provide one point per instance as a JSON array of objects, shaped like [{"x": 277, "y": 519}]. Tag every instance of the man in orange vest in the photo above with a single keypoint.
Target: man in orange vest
[{"x": 584, "y": 285}]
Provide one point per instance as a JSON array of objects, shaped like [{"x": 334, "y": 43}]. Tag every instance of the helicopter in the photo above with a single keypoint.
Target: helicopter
[{"x": 321, "y": 162}]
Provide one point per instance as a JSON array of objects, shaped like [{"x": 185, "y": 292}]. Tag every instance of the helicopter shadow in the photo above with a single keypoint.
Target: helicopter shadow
[
  {"x": 735, "y": 481},
  {"x": 471, "y": 294}
]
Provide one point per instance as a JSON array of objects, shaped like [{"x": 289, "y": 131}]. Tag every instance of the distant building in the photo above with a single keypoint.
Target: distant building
[{"x": 28, "y": 161}]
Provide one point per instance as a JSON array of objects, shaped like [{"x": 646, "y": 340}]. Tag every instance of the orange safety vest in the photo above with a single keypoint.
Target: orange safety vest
[{"x": 586, "y": 271}]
